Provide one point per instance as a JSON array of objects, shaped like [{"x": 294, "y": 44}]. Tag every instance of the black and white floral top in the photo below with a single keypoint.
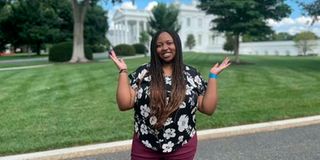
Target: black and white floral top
[{"x": 180, "y": 126}]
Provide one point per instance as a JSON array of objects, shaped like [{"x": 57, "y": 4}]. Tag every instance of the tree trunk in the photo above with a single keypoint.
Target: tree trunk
[
  {"x": 304, "y": 48},
  {"x": 236, "y": 48},
  {"x": 38, "y": 49},
  {"x": 79, "y": 11}
]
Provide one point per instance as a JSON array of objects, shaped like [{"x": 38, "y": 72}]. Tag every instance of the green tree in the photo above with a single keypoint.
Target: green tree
[
  {"x": 312, "y": 9},
  {"x": 244, "y": 16},
  {"x": 282, "y": 36},
  {"x": 62, "y": 22},
  {"x": 79, "y": 10},
  {"x": 190, "y": 42},
  {"x": 144, "y": 37},
  {"x": 96, "y": 26},
  {"x": 229, "y": 44},
  {"x": 305, "y": 41},
  {"x": 32, "y": 22},
  {"x": 164, "y": 17},
  {"x": 4, "y": 14}
]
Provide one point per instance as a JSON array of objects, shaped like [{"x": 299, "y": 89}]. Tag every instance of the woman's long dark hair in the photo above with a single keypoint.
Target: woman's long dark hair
[{"x": 159, "y": 106}]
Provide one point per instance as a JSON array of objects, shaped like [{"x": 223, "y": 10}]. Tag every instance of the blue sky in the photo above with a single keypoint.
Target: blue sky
[{"x": 293, "y": 24}]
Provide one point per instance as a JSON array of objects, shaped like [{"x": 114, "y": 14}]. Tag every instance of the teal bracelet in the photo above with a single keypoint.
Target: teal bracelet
[{"x": 212, "y": 75}]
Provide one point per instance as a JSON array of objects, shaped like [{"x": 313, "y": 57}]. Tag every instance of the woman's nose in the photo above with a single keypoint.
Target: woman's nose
[{"x": 165, "y": 47}]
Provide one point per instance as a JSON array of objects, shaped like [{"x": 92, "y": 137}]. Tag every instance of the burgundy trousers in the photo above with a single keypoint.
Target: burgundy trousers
[{"x": 140, "y": 152}]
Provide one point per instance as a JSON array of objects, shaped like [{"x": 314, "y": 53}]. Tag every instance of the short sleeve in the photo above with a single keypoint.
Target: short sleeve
[
  {"x": 195, "y": 80},
  {"x": 136, "y": 76},
  {"x": 201, "y": 84}
]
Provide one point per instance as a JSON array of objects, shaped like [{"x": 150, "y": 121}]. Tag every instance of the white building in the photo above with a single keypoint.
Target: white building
[
  {"x": 129, "y": 23},
  {"x": 281, "y": 48}
]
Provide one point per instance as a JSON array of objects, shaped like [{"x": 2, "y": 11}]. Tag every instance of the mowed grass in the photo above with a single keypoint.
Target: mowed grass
[{"x": 64, "y": 105}]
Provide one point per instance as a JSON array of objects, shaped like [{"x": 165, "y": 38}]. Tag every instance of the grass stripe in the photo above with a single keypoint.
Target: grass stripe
[{"x": 67, "y": 105}]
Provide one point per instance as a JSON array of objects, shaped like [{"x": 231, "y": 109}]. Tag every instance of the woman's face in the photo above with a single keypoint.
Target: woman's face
[{"x": 165, "y": 47}]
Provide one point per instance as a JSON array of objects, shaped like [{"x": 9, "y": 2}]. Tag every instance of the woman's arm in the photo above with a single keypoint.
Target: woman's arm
[
  {"x": 125, "y": 94},
  {"x": 208, "y": 102}
]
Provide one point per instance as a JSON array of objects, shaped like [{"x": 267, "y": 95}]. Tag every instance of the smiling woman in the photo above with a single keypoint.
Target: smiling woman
[
  {"x": 166, "y": 48},
  {"x": 165, "y": 95}
]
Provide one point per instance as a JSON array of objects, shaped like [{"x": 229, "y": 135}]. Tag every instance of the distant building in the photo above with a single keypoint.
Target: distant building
[
  {"x": 129, "y": 23},
  {"x": 280, "y": 48}
]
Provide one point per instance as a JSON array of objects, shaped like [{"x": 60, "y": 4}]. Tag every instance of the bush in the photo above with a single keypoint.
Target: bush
[
  {"x": 98, "y": 48},
  {"x": 124, "y": 50},
  {"x": 140, "y": 48},
  {"x": 62, "y": 52}
]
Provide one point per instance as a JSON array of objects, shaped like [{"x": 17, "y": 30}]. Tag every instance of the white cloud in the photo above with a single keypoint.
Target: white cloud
[
  {"x": 128, "y": 5},
  {"x": 151, "y": 5},
  {"x": 304, "y": 20},
  {"x": 287, "y": 21},
  {"x": 293, "y": 26}
]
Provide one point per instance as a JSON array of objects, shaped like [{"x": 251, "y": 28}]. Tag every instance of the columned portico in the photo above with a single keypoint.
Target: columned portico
[{"x": 128, "y": 24}]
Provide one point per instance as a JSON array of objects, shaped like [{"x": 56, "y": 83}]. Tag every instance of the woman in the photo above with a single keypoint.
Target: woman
[{"x": 165, "y": 95}]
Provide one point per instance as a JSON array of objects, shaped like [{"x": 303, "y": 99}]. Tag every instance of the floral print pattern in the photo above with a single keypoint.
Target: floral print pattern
[{"x": 180, "y": 126}]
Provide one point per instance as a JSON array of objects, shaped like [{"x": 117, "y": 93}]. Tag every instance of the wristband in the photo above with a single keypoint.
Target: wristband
[
  {"x": 123, "y": 70},
  {"x": 212, "y": 75}
]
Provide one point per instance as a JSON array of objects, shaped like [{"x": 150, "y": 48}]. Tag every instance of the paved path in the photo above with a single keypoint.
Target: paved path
[
  {"x": 268, "y": 140},
  {"x": 96, "y": 56},
  {"x": 302, "y": 143},
  {"x": 24, "y": 67}
]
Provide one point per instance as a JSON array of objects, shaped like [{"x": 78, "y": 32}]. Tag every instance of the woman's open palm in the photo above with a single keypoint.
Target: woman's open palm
[
  {"x": 118, "y": 61},
  {"x": 216, "y": 69}
]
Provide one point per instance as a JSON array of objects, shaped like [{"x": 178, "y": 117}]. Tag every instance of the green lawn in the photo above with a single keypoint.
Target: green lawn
[{"x": 65, "y": 105}]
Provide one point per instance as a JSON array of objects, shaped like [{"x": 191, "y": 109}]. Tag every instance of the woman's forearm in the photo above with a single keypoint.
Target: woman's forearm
[
  {"x": 210, "y": 99},
  {"x": 125, "y": 94}
]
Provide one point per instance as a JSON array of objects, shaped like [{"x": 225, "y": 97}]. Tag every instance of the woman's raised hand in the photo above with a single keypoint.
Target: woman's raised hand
[
  {"x": 118, "y": 61},
  {"x": 216, "y": 69}
]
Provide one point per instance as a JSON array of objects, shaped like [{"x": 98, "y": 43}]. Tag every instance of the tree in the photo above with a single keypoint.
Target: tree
[
  {"x": 31, "y": 22},
  {"x": 96, "y": 26},
  {"x": 244, "y": 17},
  {"x": 229, "y": 44},
  {"x": 312, "y": 9},
  {"x": 191, "y": 41},
  {"x": 79, "y": 10},
  {"x": 164, "y": 17},
  {"x": 281, "y": 36},
  {"x": 304, "y": 41},
  {"x": 144, "y": 38},
  {"x": 4, "y": 13}
]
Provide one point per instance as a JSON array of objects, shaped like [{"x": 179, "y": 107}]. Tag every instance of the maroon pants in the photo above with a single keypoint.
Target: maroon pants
[{"x": 140, "y": 152}]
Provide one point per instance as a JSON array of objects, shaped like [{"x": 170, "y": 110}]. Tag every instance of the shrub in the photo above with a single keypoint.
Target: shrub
[
  {"x": 124, "y": 50},
  {"x": 62, "y": 52},
  {"x": 98, "y": 48},
  {"x": 140, "y": 48}
]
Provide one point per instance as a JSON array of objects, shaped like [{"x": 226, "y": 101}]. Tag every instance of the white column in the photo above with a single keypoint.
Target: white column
[
  {"x": 138, "y": 31},
  {"x": 121, "y": 36},
  {"x": 116, "y": 34},
  {"x": 126, "y": 31},
  {"x": 144, "y": 26}
]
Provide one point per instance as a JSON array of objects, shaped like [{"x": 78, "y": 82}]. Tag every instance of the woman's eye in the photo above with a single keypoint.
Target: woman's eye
[{"x": 169, "y": 43}]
